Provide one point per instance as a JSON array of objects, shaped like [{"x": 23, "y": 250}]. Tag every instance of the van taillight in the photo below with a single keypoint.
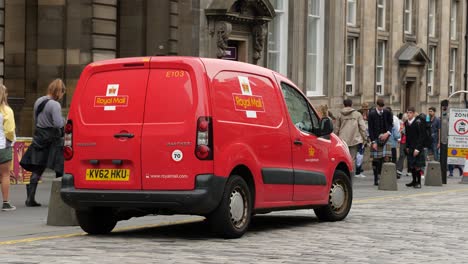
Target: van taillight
[
  {"x": 204, "y": 148},
  {"x": 67, "y": 144}
]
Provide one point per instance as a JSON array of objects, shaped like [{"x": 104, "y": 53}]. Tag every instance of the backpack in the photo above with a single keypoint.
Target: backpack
[{"x": 427, "y": 135}]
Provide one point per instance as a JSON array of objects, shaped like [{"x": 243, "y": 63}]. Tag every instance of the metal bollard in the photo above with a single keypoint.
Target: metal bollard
[{"x": 388, "y": 178}]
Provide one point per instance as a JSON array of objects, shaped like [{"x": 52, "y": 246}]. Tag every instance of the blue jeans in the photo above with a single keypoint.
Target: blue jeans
[{"x": 435, "y": 151}]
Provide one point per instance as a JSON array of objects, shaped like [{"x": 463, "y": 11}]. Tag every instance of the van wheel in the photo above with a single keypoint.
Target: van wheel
[
  {"x": 339, "y": 201},
  {"x": 232, "y": 216},
  {"x": 96, "y": 221}
]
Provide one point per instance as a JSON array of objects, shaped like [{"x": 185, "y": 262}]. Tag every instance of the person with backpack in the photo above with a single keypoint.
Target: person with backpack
[
  {"x": 45, "y": 150},
  {"x": 415, "y": 130}
]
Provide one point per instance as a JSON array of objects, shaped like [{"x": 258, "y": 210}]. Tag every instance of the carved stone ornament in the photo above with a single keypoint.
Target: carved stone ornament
[
  {"x": 222, "y": 30},
  {"x": 259, "y": 33}
]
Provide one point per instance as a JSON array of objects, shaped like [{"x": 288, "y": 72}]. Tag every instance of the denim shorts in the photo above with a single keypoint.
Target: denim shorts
[{"x": 5, "y": 155}]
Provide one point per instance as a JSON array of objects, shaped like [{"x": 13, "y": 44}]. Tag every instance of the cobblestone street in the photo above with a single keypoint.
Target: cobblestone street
[{"x": 407, "y": 226}]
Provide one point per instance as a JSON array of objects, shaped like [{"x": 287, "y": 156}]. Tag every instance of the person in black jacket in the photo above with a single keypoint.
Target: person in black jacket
[
  {"x": 414, "y": 147},
  {"x": 380, "y": 122}
]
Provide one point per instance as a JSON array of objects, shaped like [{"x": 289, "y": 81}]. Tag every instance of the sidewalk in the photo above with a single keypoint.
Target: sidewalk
[{"x": 30, "y": 222}]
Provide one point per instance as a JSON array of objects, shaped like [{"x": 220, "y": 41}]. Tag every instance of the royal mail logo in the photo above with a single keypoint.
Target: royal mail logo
[
  {"x": 112, "y": 99},
  {"x": 311, "y": 151},
  {"x": 248, "y": 103},
  {"x": 118, "y": 101}
]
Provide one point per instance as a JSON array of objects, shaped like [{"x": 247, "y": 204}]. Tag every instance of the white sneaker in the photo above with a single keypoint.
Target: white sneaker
[{"x": 361, "y": 175}]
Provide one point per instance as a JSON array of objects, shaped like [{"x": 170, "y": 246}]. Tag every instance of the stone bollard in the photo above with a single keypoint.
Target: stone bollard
[
  {"x": 432, "y": 176},
  {"x": 59, "y": 214},
  {"x": 388, "y": 178}
]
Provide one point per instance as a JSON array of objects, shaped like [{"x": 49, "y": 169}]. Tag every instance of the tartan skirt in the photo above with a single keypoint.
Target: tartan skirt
[{"x": 382, "y": 151}]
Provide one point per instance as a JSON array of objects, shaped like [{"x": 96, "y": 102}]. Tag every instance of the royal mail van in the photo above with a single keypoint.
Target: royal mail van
[{"x": 181, "y": 135}]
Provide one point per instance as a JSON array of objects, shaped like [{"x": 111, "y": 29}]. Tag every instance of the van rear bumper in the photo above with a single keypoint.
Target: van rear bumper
[{"x": 202, "y": 200}]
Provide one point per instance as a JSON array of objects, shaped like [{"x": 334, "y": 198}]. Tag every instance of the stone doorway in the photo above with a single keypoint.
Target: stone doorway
[
  {"x": 241, "y": 24},
  {"x": 410, "y": 96}
]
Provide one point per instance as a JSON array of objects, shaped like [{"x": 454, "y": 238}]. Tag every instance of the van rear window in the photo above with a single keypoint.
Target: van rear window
[
  {"x": 114, "y": 97},
  {"x": 170, "y": 96}
]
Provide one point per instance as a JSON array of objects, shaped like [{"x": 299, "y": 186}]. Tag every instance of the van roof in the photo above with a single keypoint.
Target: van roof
[{"x": 212, "y": 66}]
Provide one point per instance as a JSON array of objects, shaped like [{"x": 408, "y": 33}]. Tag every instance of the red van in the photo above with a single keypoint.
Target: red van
[{"x": 182, "y": 135}]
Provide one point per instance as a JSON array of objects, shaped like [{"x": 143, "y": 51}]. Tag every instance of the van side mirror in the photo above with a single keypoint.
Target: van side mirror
[{"x": 326, "y": 127}]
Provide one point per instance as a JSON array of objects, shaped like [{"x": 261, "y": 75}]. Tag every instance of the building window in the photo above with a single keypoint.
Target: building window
[
  {"x": 350, "y": 66},
  {"x": 315, "y": 37},
  {"x": 351, "y": 18},
  {"x": 408, "y": 17},
  {"x": 380, "y": 68},
  {"x": 453, "y": 20},
  {"x": 452, "y": 72},
  {"x": 381, "y": 14},
  {"x": 432, "y": 18},
  {"x": 2, "y": 40},
  {"x": 104, "y": 36},
  {"x": 278, "y": 38},
  {"x": 430, "y": 70}
]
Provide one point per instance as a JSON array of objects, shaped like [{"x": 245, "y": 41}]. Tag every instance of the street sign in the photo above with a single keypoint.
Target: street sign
[
  {"x": 458, "y": 125},
  {"x": 457, "y": 136}
]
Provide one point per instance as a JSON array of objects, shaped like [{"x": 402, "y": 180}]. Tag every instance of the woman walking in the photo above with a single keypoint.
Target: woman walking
[
  {"x": 7, "y": 137},
  {"x": 46, "y": 148}
]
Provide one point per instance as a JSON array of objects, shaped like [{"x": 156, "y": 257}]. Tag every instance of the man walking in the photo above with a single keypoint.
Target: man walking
[
  {"x": 351, "y": 128},
  {"x": 435, "y": 130},
  {"x": 380, "y": 126},
  {"x": 414, "y": 147}
]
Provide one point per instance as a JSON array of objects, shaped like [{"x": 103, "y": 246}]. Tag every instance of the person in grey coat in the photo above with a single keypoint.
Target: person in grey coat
[
  {"x": 45, "y": 150},
  {"x": 351, "y": 128}
]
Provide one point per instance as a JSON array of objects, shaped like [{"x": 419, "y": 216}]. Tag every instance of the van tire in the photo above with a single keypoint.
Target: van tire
[
  {"x": 231, "y": 218},
  {"x": 340, "y": 199},
  {"x": 96, "y": 221}
]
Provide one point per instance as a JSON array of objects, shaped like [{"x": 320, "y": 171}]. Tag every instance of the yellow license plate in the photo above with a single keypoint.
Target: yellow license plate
[{"x": 107, "y": 174}]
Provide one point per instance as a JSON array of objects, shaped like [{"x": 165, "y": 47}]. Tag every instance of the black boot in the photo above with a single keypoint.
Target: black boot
[
  {"x": 31, "y": 200},
  {"x": 413, "y": 182},
  {"x": 27, "y": 192},
  {"x": 418, "y": 180},
  {"x": 375, "y": 169}
]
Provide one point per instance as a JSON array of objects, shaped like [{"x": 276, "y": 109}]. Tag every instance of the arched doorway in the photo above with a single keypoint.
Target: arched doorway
[{"x": 238, "y": 29}]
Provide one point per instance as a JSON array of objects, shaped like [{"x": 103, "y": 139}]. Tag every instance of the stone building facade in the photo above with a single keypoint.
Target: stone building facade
[{"x": 410, "y": 52}]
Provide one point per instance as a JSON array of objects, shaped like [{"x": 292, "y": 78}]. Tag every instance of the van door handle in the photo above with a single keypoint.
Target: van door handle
[
  {"x": 298, "y": 142},
  {"x": 122, "y": 135}
]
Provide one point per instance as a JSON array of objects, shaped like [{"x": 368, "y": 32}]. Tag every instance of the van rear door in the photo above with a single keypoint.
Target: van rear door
[
  {"x": 107, "y": 126},
  {"x": 176, "y": 99}
]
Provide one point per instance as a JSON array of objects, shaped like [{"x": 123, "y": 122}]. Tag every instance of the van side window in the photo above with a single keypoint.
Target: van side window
[{"x": 299, "y": 110}]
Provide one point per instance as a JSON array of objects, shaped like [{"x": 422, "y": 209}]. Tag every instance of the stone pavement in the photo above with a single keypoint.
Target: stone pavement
[{"x": 406, "y": 226}]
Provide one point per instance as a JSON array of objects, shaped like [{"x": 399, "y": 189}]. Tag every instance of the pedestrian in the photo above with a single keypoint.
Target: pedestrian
[
  {"x": 350, "y": 127},
  {"x": 7, "y": 138},
  {"x": 45, "y": 150},
  {"x": 402, "y": 157},
  {"x": 435, "y": 130},
  {"x": 443, "y": 139},
  {"x": 364, "y": 111},
  {"x": 414, "y": 147},
  {"x": 380, "y": 126},
  {"x": 395, "y": 137}
]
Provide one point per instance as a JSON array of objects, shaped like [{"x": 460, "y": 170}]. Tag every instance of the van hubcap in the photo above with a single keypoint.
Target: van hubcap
[
  {"x": 237, "y": 207},
  {"x": 337, "y": 196}
]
